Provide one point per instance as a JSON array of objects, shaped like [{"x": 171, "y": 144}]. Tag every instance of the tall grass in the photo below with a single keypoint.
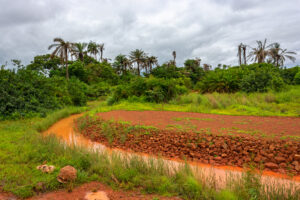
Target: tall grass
[{"x": 284, "y": 103}]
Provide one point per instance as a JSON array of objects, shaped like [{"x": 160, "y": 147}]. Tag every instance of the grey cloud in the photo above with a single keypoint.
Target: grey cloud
[{"x": 207, "y": 29}]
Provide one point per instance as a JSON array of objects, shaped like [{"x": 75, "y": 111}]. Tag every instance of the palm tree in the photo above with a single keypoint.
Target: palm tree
[
  {"x": 78, "y": 50},
  {"x": 259, "y": 53},
  {"x": 121, "y": 63},
  {"x": 174, "y": 57},
  {"x": 62, "y": 49},
  {"x": 101, "y": 49},
  {"x": 137, "y": 56},
  {"x": 93, "y": 49},
  {"x": 152, "y": 60},
  {"x": 278, "y": 55}
]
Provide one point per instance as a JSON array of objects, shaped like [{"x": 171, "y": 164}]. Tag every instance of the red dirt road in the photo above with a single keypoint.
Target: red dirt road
[
  {"x": 81, "y": 193},
  {"x": 280, "y": 127}
]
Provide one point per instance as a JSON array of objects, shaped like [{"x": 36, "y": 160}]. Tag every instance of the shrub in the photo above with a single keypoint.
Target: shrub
[
  {"x": 77, "y": 90},
  {"x": 297, "y": 78},
  {"x": 28, "y": 93}
]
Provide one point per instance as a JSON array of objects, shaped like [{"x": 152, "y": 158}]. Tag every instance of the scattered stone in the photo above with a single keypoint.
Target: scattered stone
[
  {"x": 67, "y": 174},
  {"x": 271, "y": 165},
  {"x": 46, "y": 168}
]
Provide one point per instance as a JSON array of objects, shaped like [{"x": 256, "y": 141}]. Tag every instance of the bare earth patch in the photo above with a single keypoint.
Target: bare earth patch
[{"x": 280, "y": 127}]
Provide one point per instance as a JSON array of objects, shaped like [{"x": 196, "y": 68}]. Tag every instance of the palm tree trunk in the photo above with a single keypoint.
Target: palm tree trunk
[
  {"x": 240, "y": 56},
  {"x": 245, "y": 60},
  {"x": 67, "y": 68},
  {"x": 138, "y": 68},
  {"x": 101, "y": 54}
]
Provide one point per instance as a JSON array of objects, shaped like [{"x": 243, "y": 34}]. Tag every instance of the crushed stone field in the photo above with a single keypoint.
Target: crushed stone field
[{"x": 264, "y": 143}]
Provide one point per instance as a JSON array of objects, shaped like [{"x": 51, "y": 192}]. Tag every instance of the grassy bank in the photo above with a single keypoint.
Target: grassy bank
[{"x": 285, "y": 103}]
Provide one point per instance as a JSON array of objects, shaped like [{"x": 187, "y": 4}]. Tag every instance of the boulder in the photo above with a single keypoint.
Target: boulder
[{"x": 67, "y": 174}]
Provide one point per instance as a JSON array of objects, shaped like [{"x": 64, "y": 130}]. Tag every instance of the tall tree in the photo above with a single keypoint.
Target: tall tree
[
  {"x": 259, "y": 53},
  {"x": 152, "y": 60},
  {"x": 279, "y": 55},
  {"x": 62, "y": 49},
  {"x": 78, "y": 50},
  {"x": 174, "y": 57},
  {"x": 93, "y": 49},
  {"x": 138, "y": 56},
  {"x": 121, "y": 64},
  {"x": 100, "y": 50}
]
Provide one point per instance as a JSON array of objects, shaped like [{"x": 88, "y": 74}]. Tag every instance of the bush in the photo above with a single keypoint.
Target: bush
[
  {"x": 247, "y": 78},
  {"x": 297, "y": 78},
  {"x": 28, "y": 93},
  {"x": 77, "y": 90},
  {"x": 98, "y": 89}
]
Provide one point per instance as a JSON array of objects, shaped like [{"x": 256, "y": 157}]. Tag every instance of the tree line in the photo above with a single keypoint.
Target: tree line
[{"x": 77, "y": 72}]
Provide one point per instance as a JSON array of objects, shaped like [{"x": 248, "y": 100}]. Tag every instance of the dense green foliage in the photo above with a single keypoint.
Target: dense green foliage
[{"x": 40, "y": 86}]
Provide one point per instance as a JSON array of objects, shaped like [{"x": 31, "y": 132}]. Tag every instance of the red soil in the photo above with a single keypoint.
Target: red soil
[
  {"x": 217, "y": 148},
  {"x": 217, "y": 124},
  {"x": 79, "y": 193}
]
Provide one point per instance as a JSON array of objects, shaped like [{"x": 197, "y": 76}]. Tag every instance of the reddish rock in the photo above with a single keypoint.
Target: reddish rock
[
  {"x": 282, "y": 165},
  {"x": 224, "y": 155},
  {"x": 67, "y": 174},
  {"x": 280, "y": 159},
  {"x": 218, "y": 158},
  {"x": 271, "y": 165},
  {"x": 297, "y": 157},
  {"x": 272, "y": 147}
]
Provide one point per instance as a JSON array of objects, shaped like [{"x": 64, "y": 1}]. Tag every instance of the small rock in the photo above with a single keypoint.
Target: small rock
[
  {"x": 67, "y": 174},
  {"x": 271, "y": 165},
  {"x": 279, "y": 159},
  {"x": 295, "y": 163},
  {"x": 46, "y": 168},
  {"x": 271, "y": 147},
  {"x": 282, "y": 165},
  {"x": 218, "y": 158},
  {"x": 297, "y": 157}
]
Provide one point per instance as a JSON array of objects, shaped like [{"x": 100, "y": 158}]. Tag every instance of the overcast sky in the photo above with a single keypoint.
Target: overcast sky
[{"x": 209, "y": 29}]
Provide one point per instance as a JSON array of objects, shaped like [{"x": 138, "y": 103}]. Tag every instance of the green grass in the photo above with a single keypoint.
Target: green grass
[{"x": 285, "y": 103}]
